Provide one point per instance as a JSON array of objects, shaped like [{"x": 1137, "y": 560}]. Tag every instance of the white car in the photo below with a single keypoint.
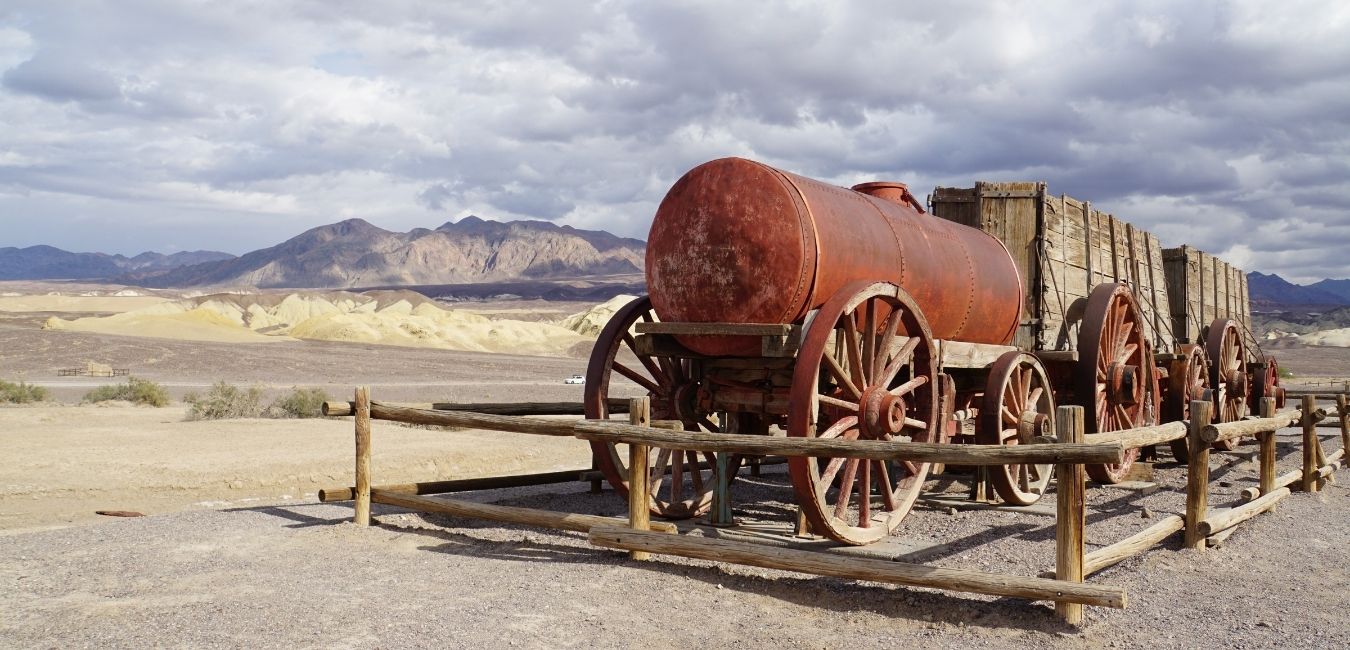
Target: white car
[{"x": 575, "y": 379}]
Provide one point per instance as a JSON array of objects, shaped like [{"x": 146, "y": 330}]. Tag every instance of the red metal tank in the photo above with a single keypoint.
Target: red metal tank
[{"x": 738, "y": 241}]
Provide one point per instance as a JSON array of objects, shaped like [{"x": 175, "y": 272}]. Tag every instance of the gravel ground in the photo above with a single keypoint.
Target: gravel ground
[{"x": 297, "y": 575}]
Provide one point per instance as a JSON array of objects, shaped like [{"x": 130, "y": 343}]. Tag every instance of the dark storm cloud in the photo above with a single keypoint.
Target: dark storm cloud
[{"x": 1221, "y": 124}]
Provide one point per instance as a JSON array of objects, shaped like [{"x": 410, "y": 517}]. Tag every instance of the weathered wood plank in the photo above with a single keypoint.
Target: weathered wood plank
[{"x": 858, "y": 568}]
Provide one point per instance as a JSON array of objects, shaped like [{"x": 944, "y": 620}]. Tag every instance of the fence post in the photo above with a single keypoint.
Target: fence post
[
  {"x": 1197, "y": 474},
  {"x": 1311, "y": 479},
  {"x": 1070, "y": 495},
  {"x": 639, "y": 480},
  {"x": 1345, "y": 425},
  {"x": 362, "y": 517},
  {"x": 1267, "y": 439}
]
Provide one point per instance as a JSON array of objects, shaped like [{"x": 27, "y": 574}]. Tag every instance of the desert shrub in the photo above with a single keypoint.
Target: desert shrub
[
  {"x": 300, "y": 403},
  {"x": 136, "y": 391},
  {"x": 1285, "y": 373},
  {"x": 22, "y": 393},
  {"x": 224, "y": 401}
]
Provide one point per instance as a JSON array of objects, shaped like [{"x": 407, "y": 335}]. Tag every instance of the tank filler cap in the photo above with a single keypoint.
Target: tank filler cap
[{"x": 889, "y": 191}]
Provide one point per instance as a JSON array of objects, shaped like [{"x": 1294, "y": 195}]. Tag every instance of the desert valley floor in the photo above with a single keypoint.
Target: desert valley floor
[{"x": 236, "y": 549}]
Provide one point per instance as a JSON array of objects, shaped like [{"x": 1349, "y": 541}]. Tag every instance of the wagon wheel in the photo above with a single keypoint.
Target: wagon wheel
[
  {"x": 1267, "y": 384},
  {"x": 1188, "y": 380},
  {"x": 1227, "y": 374},
  {"x": 1113, "y": 371},
  {"x": 680, "y": 486},
  {"x": 1018, "y": 408},
  {"x": 867, "y": 370}
]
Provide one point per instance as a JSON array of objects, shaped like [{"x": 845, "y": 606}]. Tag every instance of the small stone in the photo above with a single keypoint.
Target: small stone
[
  {"x": 719, "y": 585},
  {"x": 1225, "y": 484},
  {"x": 1146, "y": 513},
  {"x": 1262, "y": 624},
  {"x": 951, "y": 511}
]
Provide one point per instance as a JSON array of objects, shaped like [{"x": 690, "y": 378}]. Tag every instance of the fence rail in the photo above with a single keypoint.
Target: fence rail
[{"x": 1065, "y": 587}]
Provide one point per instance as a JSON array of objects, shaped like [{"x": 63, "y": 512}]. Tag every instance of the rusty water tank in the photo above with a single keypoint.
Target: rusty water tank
[{"x": 738, "y": 241}]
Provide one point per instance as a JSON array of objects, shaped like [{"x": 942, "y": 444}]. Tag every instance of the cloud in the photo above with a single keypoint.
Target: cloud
[
  {"x": 1204, "y": 121},
  {"x": 62, "y": 79}
]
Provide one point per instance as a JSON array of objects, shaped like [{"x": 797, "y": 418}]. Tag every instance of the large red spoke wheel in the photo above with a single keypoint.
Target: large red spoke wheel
[
  {"x": 1267, "y": 384},
  {"x": 1188, "y": 380},
  {"x": 1018, "y": 408},
  {"x": 680, "y": 482},
  {"x": 867, "y": 370},
  {"x": 1227, "y": 374},
  {"x": 1113, "y": 372}
]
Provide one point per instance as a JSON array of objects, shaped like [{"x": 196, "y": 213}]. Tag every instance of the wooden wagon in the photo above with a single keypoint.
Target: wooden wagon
[
  {"x": 883, "y": 322},
  {"x": 1193, "y": 308}
]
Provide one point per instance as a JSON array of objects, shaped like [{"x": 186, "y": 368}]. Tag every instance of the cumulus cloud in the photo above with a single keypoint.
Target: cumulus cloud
[{"x": 1219, "y": 124}]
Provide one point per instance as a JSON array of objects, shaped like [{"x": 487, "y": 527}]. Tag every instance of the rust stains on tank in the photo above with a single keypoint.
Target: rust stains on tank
[{"x": 738, "y": 241}]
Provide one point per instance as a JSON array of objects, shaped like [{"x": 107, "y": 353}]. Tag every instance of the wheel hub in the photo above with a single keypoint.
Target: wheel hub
[
  {"x": 882, "y": 413},
  {"x": 1122, "y": 384},
  {"x": 1237, "y": 384},
  {"x": 1031, "y": 425}
]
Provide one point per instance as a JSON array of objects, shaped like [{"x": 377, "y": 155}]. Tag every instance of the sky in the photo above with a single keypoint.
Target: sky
[{"x": 228, "y": 125}]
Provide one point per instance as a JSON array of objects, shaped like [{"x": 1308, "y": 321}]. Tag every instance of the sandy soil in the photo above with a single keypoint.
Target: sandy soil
[
  {"x": 394, "y": 373},
  {"x": 66, "y": 462},
  {"x": 297, "y": 575}
]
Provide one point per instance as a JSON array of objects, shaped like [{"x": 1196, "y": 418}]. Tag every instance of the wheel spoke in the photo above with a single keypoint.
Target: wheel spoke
[
  {"x": 887, "y": 486},
  {"x": 916, "y": 424},
  {"x": 846, "y": 487},
  {"x": 865, "y": 495},
  {"x": 909, "y": 385},
  {"x": 838, "y": 428},
  {"x": 652, "y": 369},
  {"x": 695, "y": 473},
  {"x": 841, "y": 376},
  {"x": 884, "y": 346},
  {"x": 658, "y": 471},
  {"x": 1008, "y": 416},
  {"x": 637, "y": 378},
  {"x": 1124, "y": 417},
  {"x": 677, "y": 477},
  {"x": 1035, "y": 398},
  {"x": 854, "y": 356},
  {"x": 1008, "y": 434},
  {"x": 1023, "y": 480},
  {"x": 869, "y": 341},
  {"x": 834, "y": 401},
  {"x": 831, "y": 471},
  {"x": 1121, "y": 339},
  {"x": 899, "y": 360}
]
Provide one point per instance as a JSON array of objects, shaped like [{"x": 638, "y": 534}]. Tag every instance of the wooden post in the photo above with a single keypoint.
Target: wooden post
[
  {"x": 1344, "y": 417},
  {"x": 362, "y": 517},
  {"x": 1070, "y": 494},
  {"x": 1267, "y": 440},
  {"x": 1311, "y": 481},
  {"x": 802, "y": 528},
  {"x": 639, "y": 480},
  {"x": 720, "y": 514},
  {"x": 1197, "y": 474}
]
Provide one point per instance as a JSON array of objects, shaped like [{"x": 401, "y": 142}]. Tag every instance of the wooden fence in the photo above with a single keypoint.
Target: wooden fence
[{"x": 1066, "y": 587}]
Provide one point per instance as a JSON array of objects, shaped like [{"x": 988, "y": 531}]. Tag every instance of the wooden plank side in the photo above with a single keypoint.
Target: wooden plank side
[
  {"x": 955, "y": 204},
  {"x": 1009, "y": 211},
  {"x": 1174, "y": 273}
]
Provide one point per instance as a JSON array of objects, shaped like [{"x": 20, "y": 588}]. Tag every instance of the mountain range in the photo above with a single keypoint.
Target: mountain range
[
  {"x": 355, "y": 253},
  {"x": 47, "y": 263},
  {"x": 1271, "y": 291}
]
